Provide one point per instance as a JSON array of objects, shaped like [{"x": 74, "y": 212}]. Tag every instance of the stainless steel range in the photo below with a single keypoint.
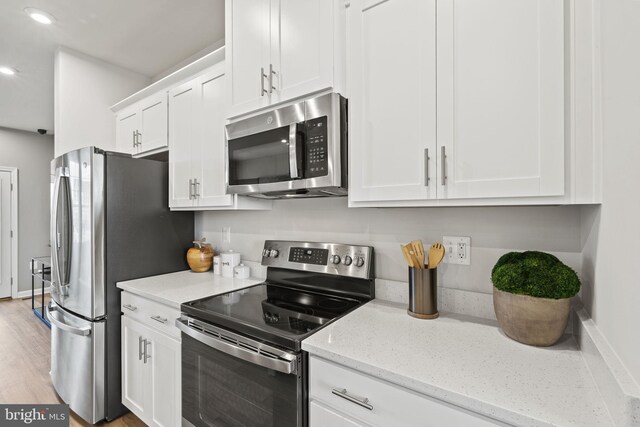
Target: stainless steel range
[{"x": 242, "y": 363}]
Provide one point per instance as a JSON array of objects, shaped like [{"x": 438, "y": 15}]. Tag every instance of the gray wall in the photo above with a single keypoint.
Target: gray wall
[
  {"x": 31, "y": 153},
  {"x": 493, "y": 231}
]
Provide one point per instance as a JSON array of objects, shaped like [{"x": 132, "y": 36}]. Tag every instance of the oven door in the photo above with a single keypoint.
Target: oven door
[{"x": 230, "y": 380}]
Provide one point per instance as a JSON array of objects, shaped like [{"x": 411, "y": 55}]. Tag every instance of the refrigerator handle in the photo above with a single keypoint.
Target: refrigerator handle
[
  {"x": 62, "y": 174},
  {"x": 83, "y": 331}
]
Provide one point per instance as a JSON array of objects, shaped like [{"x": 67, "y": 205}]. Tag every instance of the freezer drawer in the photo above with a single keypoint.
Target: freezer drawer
[{"x": 78, "y": 362}]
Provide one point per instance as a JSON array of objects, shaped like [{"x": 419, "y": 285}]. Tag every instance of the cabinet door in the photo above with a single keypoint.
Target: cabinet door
[
  {"x": 500, "y": 98},
  {"x": 153, "y": 123},
  {"x": 247, "y": 38},
  {"x": 127, "y": 123},
  {"x": 165, "y": 368},
  {"x": 212, "y": 154},
  {"x": 182, "y": 133},
  {"x": 393, "y": 99},
  {"x": 136, "y": 390},
  {"x": 321, "y": 416},
  {"x": 301, "y": 47}
]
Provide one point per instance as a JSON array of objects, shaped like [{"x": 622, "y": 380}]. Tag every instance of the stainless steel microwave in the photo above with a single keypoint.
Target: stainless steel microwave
[{"x": 299, "y": 150}]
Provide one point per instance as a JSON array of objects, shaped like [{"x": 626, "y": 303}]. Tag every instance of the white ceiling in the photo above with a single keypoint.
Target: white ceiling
[{"x": 146, "y": 36}]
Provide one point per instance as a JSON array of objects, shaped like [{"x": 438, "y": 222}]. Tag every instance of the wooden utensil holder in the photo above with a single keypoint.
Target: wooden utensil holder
[{"x": 423, "y": 293}]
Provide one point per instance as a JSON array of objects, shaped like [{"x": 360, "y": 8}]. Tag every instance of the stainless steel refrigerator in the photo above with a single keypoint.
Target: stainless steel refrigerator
[{"x": 110, "y": 222}]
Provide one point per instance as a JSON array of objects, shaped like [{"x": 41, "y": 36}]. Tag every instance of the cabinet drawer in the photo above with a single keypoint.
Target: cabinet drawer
[
  {"x": 386, "y": 404},
  {"x": 151, "y": 313}
]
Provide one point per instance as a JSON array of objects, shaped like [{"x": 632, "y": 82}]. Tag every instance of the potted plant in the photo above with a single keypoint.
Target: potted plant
[{"x": 532, "y": 296}]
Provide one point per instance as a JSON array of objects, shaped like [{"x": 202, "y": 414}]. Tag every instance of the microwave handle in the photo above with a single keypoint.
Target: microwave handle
[{"x": 294, "y": 149}]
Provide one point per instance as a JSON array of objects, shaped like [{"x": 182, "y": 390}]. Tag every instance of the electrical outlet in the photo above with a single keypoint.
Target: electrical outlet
[
  {"x": 457, "y": 250},
  {"x": 226, "y": 234}
]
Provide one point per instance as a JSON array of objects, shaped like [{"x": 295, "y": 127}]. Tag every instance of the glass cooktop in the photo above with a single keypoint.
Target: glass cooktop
[{"x": 276, "y": 314}]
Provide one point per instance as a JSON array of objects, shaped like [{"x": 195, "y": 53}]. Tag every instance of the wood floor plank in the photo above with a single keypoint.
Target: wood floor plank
[{"x": 25, "y": 357}]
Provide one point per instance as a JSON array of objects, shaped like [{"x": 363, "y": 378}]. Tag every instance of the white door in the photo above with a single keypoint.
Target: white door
[
  {"x": 153, "y": 123},
  {"x": 500, "y": 98},
  {"x": 322, "y": 416},
  {"x": 127, "y": 123},
  {"x": 136, "y": 384},
  {"x": 165, "y": 358},
  {"x": 248, "y": 38},
  {"x": 212, "y": 152},
  {"x": 5, "y": 234},
  {"x": 393, "y": 100},
  {"x": 182, "y": 133},
  {"x": 301, "y": 47}
]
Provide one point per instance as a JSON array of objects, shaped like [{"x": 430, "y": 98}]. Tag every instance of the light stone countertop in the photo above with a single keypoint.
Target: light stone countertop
[
  {"x": 175, "y": 288},
  {"x": 468, "y": 362}
]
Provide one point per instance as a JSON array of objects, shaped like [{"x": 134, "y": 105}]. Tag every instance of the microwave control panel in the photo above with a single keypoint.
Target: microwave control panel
[{"x": 316, "y": 155}]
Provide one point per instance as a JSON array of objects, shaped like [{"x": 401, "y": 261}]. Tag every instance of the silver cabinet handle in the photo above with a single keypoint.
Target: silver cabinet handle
[
  {"x": 146, "y": 356},
  {"x": 443, "y": 165},
  {"x": 138, "y": 139},
  {"x": 426, "y": 167},
  {"x": 196, "y": 189},
  {"x": 343, "y": 394},
  {"x": 271, "y": 74},
  {"x": 140, "y": 348},
  {"x": 190, "y": 189},
  {"x": 262, "y": 76},
  {"x": 133, "y": 139},
  {"x": 159, "y": 319},
  {"x": 130, "y": 307}
]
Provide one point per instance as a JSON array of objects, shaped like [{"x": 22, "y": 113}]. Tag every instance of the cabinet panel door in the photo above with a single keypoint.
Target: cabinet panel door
[
  {"x": 247, "y": 38},
  {"x": 136, "y": 390},
  {"x": 301, "y": 47},
  {"x": 153, "y": 122},
  {"x": 182, "y": 133},
  {"x": 501, "y": 98},
  {"x": 214, "y": 107},
  {"x": 127, "y": 122},
  {"x": 321, "y": 416},
  {"x": 166, "y": 372},
  {"x": 393, "y": 99}
]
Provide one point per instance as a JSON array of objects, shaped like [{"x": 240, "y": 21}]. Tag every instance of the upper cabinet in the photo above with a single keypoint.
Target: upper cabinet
[
  {"x": 142, "y": 127},
  {"x": 278, "y": 50},
  {"x": 458, "y": 102}
]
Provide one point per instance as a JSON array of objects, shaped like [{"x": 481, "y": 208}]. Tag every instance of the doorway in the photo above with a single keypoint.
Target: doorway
[{"x": 8, "y": 232}]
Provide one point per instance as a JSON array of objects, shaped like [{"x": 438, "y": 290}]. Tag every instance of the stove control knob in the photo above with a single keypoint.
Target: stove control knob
[
  {"x": 335, "y": 259},
  {"x": 347, "y": 260},
  {"x": 273, "y": 253},
  {"x": 265, "y": 252},
  {"x": 359, "y": 261}
]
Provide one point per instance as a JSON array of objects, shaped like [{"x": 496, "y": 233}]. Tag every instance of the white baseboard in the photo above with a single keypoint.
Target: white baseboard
[{"x": 27, "y": 294}]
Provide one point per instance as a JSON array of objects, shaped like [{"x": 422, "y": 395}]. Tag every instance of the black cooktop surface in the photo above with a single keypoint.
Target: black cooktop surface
[{"x": 272, "y": 313}]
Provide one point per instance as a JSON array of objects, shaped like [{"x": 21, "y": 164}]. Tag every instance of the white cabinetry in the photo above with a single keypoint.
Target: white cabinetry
[
  {"x": 151, "y": 362},
  {"x": 197, "y": 160},
  {"x": 340, "y": 396},
  {"x": 458, "y": 102},
  {"x": 279, "y": 50},
  {"x": 141, "y": 128}
]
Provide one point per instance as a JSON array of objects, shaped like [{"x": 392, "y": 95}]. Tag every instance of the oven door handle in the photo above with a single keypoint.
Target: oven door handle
[
  {"x": 280, "y": 365},
  {"x": 294, "y": 151}
]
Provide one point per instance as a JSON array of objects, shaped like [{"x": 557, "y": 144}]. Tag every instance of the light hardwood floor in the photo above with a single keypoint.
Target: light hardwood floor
[{"x": 25, "y": 344}]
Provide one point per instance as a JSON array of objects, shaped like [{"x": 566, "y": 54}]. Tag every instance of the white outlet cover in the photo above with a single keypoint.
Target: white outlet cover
[{"x": 452, "y": 253}]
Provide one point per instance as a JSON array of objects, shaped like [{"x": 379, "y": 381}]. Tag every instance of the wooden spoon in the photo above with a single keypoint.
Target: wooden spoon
[{"x": 436, "y": 254}]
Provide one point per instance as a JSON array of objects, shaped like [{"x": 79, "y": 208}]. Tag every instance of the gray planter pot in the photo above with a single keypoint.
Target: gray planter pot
[{"x": 530, "y": 320}]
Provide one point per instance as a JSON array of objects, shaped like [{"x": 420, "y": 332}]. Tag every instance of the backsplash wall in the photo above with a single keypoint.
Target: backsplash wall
[{"x": 493, "y": 231}]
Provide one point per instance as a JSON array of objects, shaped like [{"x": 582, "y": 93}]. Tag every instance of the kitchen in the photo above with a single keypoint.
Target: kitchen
[{"x": 308, "y": 141}]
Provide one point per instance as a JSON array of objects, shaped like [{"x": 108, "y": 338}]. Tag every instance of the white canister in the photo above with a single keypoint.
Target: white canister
[
  {"x": 228, "y": 261},
  {"x": 242, "y": 272},
  {"x": 216, "y": 265}
]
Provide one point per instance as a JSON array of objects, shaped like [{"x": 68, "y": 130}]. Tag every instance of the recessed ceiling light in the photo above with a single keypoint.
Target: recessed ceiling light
[
  {"x": 7, "y": 71},
  {"x": 39, "y": 16}
]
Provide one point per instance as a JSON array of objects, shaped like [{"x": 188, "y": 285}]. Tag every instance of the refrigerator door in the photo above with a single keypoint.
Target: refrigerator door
[
  {"x": 77, "y": 232},
  {"x": 77, "y": 362}
]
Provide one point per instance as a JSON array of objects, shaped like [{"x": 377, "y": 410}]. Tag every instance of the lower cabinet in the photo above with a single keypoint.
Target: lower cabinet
[
  {"x": 341, "y": 396},
  {"x": 151, "y": 374}
]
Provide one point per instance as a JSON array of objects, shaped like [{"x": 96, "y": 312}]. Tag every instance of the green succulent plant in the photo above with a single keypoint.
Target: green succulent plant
[{"x": 536, "y": 274}]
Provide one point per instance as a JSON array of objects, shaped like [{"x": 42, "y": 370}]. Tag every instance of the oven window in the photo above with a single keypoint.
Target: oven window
[
  {"x": 221, "y": 390},
  {"x": 260, "y": 158}
]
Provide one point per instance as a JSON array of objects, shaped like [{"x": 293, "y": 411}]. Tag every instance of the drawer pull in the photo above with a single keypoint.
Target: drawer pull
[
  {"x": 130, "y": 307},
  {"x": 343, "y": 394},
  {"x": 159, "y": 319}
]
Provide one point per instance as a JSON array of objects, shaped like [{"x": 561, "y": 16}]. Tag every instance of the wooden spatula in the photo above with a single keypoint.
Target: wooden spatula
[
  {"x": 407, "y": 255},
  {"x": 436, "y": 253},
  {"x": 418, "y": 248}
]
